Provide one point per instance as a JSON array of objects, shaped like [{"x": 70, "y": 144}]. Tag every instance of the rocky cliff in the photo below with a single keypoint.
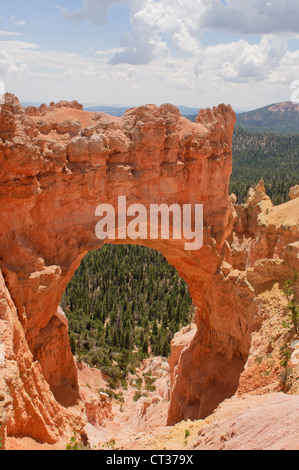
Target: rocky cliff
[
  {"x": 261, "y": 254},
  {"x": 57, "y": 164}
]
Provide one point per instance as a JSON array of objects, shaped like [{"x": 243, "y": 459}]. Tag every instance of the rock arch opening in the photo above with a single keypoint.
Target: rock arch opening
[{"x": 124, "y": 304}]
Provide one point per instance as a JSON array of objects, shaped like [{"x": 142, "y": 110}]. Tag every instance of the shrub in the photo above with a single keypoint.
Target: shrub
[
  {"x": 137, "y": 396},
  {"x": 290, "y": 291}
]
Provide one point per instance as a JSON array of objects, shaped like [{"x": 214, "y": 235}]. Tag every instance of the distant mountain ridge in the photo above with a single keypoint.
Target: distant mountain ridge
[
  {"x": 120, "y": 111},
  {"x": 279, "y": 118},
  {"x": 111, "y": 110}
]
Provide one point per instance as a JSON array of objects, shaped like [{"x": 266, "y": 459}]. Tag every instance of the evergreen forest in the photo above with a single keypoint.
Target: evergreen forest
[
  {"x": 123, "y": 304},
  {"x": 273, "y": 157}
]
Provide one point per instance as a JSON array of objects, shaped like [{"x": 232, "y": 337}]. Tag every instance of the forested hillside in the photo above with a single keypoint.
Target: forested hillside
[
  {"x": 279, "y": 118},
  {"x": 273, "y": 157},
  {"x": 123, "y": 303}
]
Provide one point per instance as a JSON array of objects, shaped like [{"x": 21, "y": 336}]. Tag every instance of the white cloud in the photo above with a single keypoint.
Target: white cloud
[
  {"x": 140, "y": 48},
  {"x": 167, "y": 20},
  {"x": 14, "y": 21},
  {"x": 153, "y": 23},
  {"x": 156, "y": 24},
  {"x": 252, "y": 17},
  {"x": 217, "y": 73},
  {"x": 9, "y": 33},
  {"x": 124, "y": 76},
  {"x": 18, "y": 45},
  {"x": 181, "y": 79},
  {"x": 49, "y": 75},
  {"x": 90, "y": 71},
  {"x": 241, "y": 61},
  {"x": 182, "y": 22},
  {"x": 93, "y": 10},
  {"x": 11, "y": 57},
  {"x": 108, "y": 52},
  {"x": 185, "y": 43},
  {"x": 166, "y": 39}
]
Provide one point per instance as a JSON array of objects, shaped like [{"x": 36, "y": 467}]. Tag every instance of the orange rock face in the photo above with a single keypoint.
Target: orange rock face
[
  {"x": 253, "y": 423},
  {"x": 181, "y": 341},
  {"x": 58, "y": 163}
]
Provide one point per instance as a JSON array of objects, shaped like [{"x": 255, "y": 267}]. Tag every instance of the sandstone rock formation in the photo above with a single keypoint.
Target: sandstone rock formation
[
  {"x": 181, "y": 341},
  {"x": 250, "y": 422},
  {"x": 148, "y": 414},
  {"x": 57, "y": 164},
  {"x": 254, "y": 423},
  {"x": 294, "y": 192},
  {"x": 98, "y": 407}
]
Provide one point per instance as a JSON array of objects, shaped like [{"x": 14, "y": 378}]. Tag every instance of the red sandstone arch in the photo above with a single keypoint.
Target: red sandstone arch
[{"x": 57, "y": 163}]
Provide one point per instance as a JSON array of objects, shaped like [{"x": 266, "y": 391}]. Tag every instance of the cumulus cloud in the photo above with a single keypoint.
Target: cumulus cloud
[
  {"x": 166, "y": 38},
  {"x": 244, "y": 62},
  {"x": 93, "y": 10},
  {"x": 156, "y": 24},
  {"x": 19, "y": 57},
  {"x": 181, "y": 79},
  {"x": 4, "y": 63},
  {"x": 16, "y": 22},
  {"x": 124, "y": 76},
  {"x": 12, "y": 56},
  {"x": 254, "y": 17},
  {"x": 139, "y": 49},
  {"x": 9, "y": 33}
]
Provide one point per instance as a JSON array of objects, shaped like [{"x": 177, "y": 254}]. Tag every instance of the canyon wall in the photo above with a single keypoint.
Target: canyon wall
[
  {"x": 57, "y": 164},
  {"x": 248, "y": 309}
]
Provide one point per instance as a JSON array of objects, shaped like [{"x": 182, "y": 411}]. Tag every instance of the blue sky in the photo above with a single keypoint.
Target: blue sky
[{"x": 131, "y": 52}]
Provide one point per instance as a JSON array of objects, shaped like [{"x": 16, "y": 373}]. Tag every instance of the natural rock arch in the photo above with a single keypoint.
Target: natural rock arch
[{"x": 57, "y": 164}]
